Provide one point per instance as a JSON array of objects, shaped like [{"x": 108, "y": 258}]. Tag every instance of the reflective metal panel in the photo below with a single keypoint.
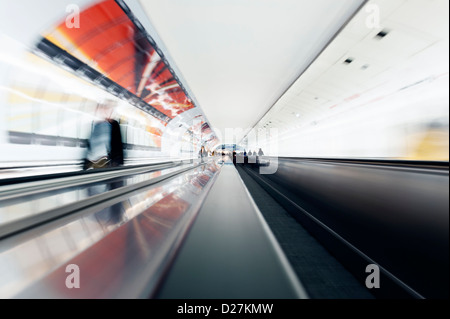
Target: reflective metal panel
[{"x": 121, "y": 247}]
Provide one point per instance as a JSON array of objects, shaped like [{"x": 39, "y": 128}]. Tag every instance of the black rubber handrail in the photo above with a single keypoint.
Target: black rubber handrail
[
  {"x": 383, "y": 162},
  {"x": 399, "y": 163}
]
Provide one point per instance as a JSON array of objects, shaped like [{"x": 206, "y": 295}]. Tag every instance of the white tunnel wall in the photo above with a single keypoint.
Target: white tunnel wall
[{"x": 390, "y": 101}]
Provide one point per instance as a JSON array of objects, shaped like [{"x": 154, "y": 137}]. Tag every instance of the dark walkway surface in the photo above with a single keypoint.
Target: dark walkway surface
[
  {"x": 321, "y": 274},
  {"x": 228, "y": 253}
]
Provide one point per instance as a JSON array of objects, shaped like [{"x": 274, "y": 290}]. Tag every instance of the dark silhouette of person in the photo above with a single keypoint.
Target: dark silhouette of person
[
  {"x": 98, "y": 146},
  {"x": 116, "y": 151},
  {"x": 105, "y": 147},
  {"x": 258, "y": 155}
]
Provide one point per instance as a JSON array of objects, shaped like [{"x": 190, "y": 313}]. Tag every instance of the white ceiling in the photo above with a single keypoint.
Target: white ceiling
[
  {"x": 24, "y": 20},
  {"x": 416, "y": 47},
  {"x": 238, "y": 57}
]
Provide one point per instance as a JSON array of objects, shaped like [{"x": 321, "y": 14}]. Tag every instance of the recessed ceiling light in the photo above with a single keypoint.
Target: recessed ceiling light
[
  {"x": 382, "y": 34},
  {"x": 348, "y": 61}
]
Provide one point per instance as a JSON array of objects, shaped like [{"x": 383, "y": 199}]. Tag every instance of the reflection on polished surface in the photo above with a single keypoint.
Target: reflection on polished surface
[
  {"x": 25, "y": 206},
  {"x": 108, "y": 242}
]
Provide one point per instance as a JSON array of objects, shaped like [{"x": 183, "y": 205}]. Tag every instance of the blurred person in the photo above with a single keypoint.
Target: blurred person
[
  {"x": 258, "y": 156},
  {"x": 252, "y": 157},
  {"x": 105, "y": 147},
  {"x": 116, "y": 152},
  {"x": 202, "y": 154},
  {"x": 260, "y": 152}
]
